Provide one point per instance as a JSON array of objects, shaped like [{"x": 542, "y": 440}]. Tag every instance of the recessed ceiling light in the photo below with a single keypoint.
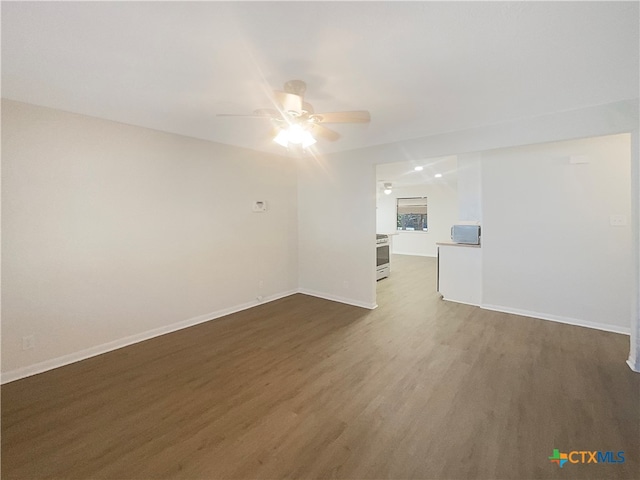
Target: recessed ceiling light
[
  {"x": 418, "y": 168},
  {"x": 438, "y": 175}
]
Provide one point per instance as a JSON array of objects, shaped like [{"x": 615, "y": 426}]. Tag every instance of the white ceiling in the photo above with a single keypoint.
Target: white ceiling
[
  {"x": 420, "y": 68},
  {"x": 403, "y": 174}
]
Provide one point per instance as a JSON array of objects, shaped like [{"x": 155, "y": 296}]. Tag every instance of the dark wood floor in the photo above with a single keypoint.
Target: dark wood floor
[{"x": 305, "y": 388}]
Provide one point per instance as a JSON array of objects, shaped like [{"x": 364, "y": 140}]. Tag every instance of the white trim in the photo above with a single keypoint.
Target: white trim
[
  {"x": 41, "y": 367},
  {"x": 634, "y": 341},
  {"x": 556, "y": 318},
  {"x": 460, "y": 301},
  {"x": 415, "y": 254},
  {"x": 335, "y": 298}
]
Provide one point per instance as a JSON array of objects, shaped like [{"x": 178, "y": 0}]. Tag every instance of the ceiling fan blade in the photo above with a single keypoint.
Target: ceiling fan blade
[
  {"x": 357, "y": 116},
  {"x": 324, "y": 132},
  {"x": 307, "y": 107},
  {"x": 271, "y": 112},
  {"x": 273, "y": 131},
  {"x": 250, "y": 115},
  {"x": 290, "y": 102}
]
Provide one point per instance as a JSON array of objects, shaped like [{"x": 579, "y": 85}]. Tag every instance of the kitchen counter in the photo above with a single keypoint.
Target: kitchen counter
[
  {"x": 452, "y": 244},
  {"x": 460, "y": 272}
]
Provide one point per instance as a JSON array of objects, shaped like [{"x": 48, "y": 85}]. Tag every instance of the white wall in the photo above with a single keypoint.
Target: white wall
[
  {"x": 548, "y": 247},
  {"x": 337, "y": 205},
  {"x": 442, "y": 209},
  {"x": 42, "y": 153},
  {"x": 608, "y": 119},
  {"x": 470, "y": 188},
  {"x": 112, "y": 231}
]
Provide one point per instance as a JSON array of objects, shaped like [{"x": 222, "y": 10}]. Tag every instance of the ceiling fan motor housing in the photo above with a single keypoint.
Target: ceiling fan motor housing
[{"x": 297, "y": 87}]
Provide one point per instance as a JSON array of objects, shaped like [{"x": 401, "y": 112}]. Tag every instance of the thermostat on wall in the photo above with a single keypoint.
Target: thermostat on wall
[{"x": 259, "y": 206}]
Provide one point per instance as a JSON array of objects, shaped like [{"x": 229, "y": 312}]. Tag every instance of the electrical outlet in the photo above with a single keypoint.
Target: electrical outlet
[
  {"x": 261, "y": 284},
  {"x": 28, "y": 342},
  {"x": 259, "y": 298},
  {"x": 618, "y": 220},
  {"x": 345, "y": 285}
]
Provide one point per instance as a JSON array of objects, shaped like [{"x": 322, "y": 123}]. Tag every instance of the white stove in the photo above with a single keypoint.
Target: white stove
[{"x": 382, "y": 256}]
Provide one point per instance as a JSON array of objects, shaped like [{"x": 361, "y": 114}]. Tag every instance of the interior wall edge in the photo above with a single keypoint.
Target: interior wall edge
[
  {"x": 41, "y": 367},
  {"x": 634, "y": 350},
  {"x": 559, "y": 319}
]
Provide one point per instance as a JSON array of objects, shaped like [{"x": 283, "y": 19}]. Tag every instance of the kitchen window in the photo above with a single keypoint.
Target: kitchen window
[{"x": 412, "y": 214}]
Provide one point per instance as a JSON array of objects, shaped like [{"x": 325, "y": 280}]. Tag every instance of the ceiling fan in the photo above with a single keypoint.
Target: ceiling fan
[{"x": 296, "y": 123}]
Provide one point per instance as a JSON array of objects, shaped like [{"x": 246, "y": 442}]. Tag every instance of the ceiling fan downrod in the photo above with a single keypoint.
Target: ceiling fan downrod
[{"x": 296, "y": 87}]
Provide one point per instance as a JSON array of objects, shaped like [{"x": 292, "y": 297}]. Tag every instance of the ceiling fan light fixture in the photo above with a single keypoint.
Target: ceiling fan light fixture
[
  {"x": 282, "y": 138},
  {"x": 308, "y": 140},
  {"x": 296, "y": 121},
  {"x": 294, "y": 134}
]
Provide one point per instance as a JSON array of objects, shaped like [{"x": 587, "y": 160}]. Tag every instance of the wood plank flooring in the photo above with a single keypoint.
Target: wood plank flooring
[{"x": 304, "y": 388}]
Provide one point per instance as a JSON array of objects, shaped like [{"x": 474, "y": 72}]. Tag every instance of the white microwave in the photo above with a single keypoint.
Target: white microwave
[{"x": 468, "y": 234}]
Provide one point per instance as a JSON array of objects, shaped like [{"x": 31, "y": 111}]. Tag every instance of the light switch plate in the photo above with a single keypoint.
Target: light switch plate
[
  {"x": 618, "y": 220},
  {"x": 578, "y": 159}
]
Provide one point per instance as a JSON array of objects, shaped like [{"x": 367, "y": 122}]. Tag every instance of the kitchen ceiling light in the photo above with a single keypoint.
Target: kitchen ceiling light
[
  {"x": 438, "y": 175},
  {"x": 418, "y": 168},
  {"x": 387, "y": 188}
]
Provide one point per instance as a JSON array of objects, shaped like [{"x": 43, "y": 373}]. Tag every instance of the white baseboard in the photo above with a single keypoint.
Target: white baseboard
[
  {"x": 447, "y": 299},
  {"x": 556, "y": 318},
  {"x": 123, "y": 342},
  {"x": 41, "y": 367},
  {"x": 335, "y": 298},
  {"x": 633, "y": 365},
  {"x": 415, "y": 254}
]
